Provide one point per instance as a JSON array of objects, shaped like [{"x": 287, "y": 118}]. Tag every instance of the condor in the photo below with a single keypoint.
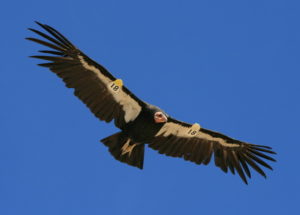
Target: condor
[{"x": 139, "y": 122}]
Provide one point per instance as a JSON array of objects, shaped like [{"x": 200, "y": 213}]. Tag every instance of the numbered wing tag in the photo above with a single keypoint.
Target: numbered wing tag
[
  {"x": 116, "y": 85},
  {"x": 192, "y": 131}
]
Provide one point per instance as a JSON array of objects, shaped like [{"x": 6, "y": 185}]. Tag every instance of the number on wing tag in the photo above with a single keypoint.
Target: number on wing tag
[
  {"x": 115, "y": 86},
  {"x": 194, "y": 129}
]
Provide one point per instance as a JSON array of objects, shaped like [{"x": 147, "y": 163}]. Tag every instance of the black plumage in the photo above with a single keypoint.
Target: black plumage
[{"x": 141, "y": 123}]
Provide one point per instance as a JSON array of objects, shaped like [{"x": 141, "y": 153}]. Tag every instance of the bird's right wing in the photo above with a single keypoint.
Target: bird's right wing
[
  {"x": 196, "y": 144},
  {"x": 105, "y": 95}
]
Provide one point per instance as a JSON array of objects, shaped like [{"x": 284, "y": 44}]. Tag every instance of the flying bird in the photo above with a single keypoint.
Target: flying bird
[{"x": 141, "y": 123}]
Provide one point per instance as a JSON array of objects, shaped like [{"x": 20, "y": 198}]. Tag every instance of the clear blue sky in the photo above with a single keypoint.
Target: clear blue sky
[{"x": 232, "y": 66}]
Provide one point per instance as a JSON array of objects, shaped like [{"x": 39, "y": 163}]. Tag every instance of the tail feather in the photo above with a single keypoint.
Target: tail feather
[{"x": 125, "y": 150}]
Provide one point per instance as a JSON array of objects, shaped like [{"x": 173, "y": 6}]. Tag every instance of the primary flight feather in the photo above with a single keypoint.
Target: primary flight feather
[{"x": 141, "y": 123}]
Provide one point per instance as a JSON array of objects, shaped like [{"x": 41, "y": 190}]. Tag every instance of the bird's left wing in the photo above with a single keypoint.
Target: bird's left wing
[
  {"x": 104, "y": 95},
  {"x": 196, "y": 144}
]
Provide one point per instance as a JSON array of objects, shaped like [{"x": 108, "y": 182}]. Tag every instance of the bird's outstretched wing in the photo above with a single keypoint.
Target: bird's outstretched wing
[
  {"x": 196, "y": 144},
  {"x": 105, "y": 95}
]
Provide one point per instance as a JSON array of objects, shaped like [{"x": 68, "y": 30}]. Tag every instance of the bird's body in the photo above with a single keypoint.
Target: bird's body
[
  {"x": 139, "y": 122},
  {"x": 143, "y": 129}
]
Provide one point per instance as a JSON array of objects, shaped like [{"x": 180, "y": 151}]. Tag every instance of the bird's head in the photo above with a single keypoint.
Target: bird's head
[
  {"x": 157, "y": 114},
  {"x": 160, "y": 117}
]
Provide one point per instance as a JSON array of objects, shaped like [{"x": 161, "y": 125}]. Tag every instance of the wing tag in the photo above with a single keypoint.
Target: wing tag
[
  {"x": 116, "y": 85},
  {"x": 194, "y": 129}
]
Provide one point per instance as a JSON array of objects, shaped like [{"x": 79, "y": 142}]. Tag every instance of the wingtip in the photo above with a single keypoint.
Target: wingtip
[
  {"x": 244, "y": 180},
  {"x": 262, "y": 146},
  {"x": 29, "y": 38},
  {"x": 40, "y": 24},
  {"x": 33, "y": 30}
]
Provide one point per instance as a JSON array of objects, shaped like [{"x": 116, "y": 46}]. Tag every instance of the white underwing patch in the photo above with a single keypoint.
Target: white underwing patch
[
  {"x": 130, "y": 106},
  {"x": 217, "y": 139},
  {"x": 174, "y": 129},
  {"x": 178, "y": 130},
  {"x": 97, "y": 72}
]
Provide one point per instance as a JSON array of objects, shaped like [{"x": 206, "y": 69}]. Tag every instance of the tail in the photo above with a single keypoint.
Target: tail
[{"x": 125, "y": 150}]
